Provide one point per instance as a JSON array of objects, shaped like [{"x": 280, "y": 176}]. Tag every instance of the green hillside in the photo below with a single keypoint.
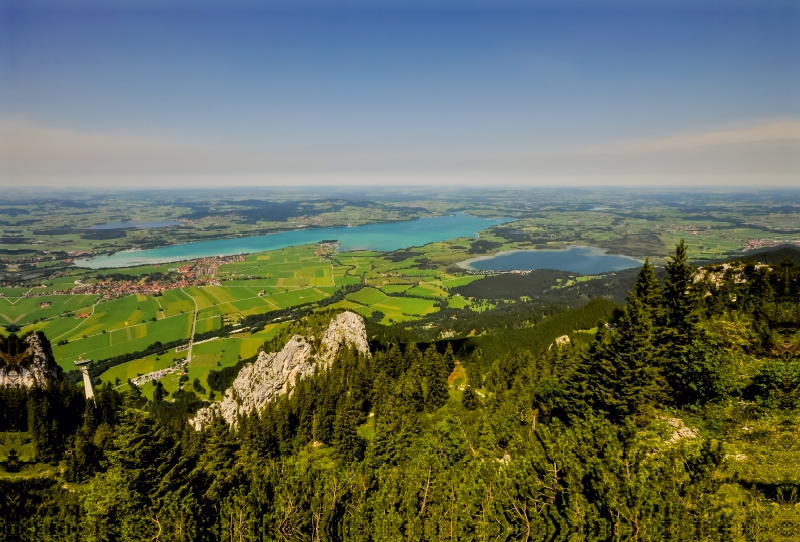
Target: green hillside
[{"x": 669, "y": 418}]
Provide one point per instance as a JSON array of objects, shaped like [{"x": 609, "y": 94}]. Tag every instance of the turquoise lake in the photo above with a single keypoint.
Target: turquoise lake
[
  {"x": 383, "y": 237},
  {"x": 583, "y": 260}
]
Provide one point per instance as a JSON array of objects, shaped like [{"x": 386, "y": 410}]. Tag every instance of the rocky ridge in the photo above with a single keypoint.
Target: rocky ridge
[
  {"x": 27, "y": 361},
  {"x": 272, "y": 373}
]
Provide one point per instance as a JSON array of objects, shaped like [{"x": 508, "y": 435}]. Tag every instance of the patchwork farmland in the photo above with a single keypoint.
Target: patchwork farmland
[{"x": 396, "y": 289}]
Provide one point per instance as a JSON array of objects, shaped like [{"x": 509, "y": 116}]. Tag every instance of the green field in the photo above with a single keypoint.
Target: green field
[
  {"x": 358, "y": 308},
  {"x": 458, "y": 302},
  {"x": 395, "y": 309},
  {"x": 261, "y": 283},
  {"x": 367, "y": 296},
  {"x": 293, "y": 267},
  {"x": 120, "y": 374},
  {"x": 426, "y": 290},
  {"x": 122, "y": 341},
  {"x": 132, "y": 323},
  {"x": 206, "y": 356},
  {"x": 395, "y": 288},
  {"x": 22, "y": 311},
  {"x": 129, "y": 324},
  {"x": 460, "y": 281},
  {"x": 399, "y": 309},
  {"x": 402, "y": 285},
  {"x": 172, "y": 302}
]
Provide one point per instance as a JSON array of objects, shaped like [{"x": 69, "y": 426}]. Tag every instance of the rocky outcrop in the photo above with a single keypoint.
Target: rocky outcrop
[
  {"x": 272, "y": 374},
  {"x": 346, "y": 328},
  {"x": 681, "y": 431},
  {"x": 561, "y": 341},
  {"x": 27, "y": 361}
]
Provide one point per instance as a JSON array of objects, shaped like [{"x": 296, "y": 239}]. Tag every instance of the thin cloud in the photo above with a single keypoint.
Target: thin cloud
[
  {"x": 779, "y": 131},
  {"x": 767, "y": 153}
]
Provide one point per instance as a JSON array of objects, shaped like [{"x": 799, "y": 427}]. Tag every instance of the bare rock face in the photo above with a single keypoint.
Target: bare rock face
[
  {"x": 346, "y": 328},
  {"x": 27, "y": 361},
  {"x": 561, "y": 341},
  {"x": 271, "y": 374},
  {"x": 681, "y": 431}
]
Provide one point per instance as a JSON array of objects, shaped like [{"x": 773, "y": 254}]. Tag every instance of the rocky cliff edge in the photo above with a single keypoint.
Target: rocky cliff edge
[{"x": 271, "y": 374}]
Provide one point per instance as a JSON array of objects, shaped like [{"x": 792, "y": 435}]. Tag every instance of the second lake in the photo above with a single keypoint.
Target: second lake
[{"x": 583, "y": 260}]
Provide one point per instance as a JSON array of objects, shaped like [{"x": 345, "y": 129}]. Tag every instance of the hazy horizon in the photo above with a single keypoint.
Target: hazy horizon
[{"x": 185, "y": 95}]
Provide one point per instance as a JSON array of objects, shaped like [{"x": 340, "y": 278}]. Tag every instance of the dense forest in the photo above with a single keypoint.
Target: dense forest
[{"x": 675, "y": 417}]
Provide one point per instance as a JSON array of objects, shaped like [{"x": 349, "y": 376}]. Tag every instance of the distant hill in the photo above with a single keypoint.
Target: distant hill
[
  {"x": 774, "y": 256},
  {"x": 542, "y": 285}
]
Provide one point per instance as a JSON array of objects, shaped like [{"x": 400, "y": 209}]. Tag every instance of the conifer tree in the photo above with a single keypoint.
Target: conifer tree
[
  {"x": 634, "y": 354},
  {"x": 217, "y": 458},
  {"x": 431, "y": 363},
  {"x": 144, "y": 450},
  {"x": 448, "y": 361},
  {"x": 109, "y": 403},
  {"x": 133, "y": 398},
  {"x": 396, "y": 425},
  {"x": 647, "y": 288},
  {"x": 437, "y": 395},
  {"x": 302, "y": 404},
  {"x": 412, "y": 357},
  {"x": 91, "y": 419},
  {"x": 159, "y": 393},
  {"x": 258, "y": 436},
  {"x": 410, "y": 389},
  {"x": 681, "y": 303},
  {"x": 435, "y": 379},
  {"x": 285, "y": 424},
  {"x": 394, "y": 362},
  {"x": 595, "y": 381},
  {"x": 473, "y": 369},
  {"x": 621, "y": 375},
  {"x": 758, "y": 299},
  {"x": 43, "y": 426},
  {"x": 487, "y": 441},
  {"x": 325, "y": 418},
  {"x": 84, "y": 460},
  {"x": 349, "y": 445},
  {"x": 382, "y": 390},
  {"x": 361, "y": 385},
  {"x": 469, "y": 399},
  {"x": 686, "y": 361}
]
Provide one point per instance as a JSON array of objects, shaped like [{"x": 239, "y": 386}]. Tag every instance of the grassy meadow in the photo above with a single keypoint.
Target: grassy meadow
[{"x": 401, "y": 286}]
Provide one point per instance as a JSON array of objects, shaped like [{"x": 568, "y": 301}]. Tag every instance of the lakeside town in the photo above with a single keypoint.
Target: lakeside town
[{"x": 200, "y": 272}]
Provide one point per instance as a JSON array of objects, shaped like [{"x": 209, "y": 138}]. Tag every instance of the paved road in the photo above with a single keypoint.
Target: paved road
[{"x": 194, "y": 324}]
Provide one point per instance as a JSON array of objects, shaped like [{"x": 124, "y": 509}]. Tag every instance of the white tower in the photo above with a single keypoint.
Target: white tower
[{"x": 83, "y": 364}]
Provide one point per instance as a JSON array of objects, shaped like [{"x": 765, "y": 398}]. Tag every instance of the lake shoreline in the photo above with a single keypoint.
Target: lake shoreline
[
  {"x": 467, "y": 265},
  {"x": 379, "y": 236}
]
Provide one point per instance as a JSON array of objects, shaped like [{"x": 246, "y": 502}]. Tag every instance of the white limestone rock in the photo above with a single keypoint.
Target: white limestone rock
[
  {"x": 346, "y": 328},
  {"x": 561, "y": 341},
  {"x": 681, "y": 431},
  {"x": 27, "y": 361},
  {"x": 272, "y": 374}
]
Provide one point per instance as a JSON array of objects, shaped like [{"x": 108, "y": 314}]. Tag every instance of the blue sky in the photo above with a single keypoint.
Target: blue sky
[{"x": 206, "y": 93}]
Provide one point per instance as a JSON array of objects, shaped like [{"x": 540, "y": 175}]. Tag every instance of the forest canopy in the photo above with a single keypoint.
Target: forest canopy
[{"x": 664, "y": 422}]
